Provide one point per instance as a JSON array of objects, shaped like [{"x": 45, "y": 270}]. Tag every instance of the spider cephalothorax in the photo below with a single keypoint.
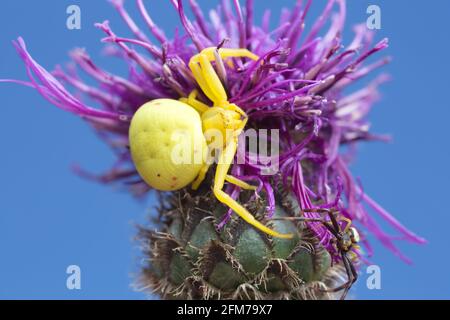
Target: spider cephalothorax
[{"x": 161, "y": 124}]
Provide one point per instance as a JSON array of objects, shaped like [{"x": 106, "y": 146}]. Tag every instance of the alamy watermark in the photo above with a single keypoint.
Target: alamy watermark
[
  {"x": 255, "y": 147},
  {"x": 373, "y": 281},
  {"x": 374, "y": 20},
  {"x": 73, "y": 21},
  {"x": 73, "y": 281}
]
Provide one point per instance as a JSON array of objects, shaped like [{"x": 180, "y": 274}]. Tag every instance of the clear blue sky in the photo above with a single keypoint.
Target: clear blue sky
[{"x": 50, "y": 218}]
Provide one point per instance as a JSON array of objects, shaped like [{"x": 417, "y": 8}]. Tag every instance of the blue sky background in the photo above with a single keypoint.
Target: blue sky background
[{"x": 50, "y": 218}]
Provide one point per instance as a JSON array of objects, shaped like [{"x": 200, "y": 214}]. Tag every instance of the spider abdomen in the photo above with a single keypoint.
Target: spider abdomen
[{"x": 167, "y": 144}]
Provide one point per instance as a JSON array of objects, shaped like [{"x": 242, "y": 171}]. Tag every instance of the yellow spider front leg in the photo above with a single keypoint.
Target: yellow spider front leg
[
  {"x": 225, "y": 160},
  {"x": 223, "y": 117},
  {"x": 206, "y": 76}
]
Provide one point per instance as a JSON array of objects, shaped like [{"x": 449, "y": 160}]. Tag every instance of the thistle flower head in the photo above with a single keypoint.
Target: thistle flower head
[{"x": 297, "y": 86}]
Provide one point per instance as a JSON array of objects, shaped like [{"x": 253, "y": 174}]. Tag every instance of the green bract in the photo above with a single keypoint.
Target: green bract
[{"x": 190, "y": 259}]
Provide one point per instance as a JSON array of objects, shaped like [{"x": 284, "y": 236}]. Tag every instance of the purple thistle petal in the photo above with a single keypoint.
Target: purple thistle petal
[
  {"x": 157, "y": 32},
  {"x": 410, "y": 236},
  {"x": 52, "y": 90}
]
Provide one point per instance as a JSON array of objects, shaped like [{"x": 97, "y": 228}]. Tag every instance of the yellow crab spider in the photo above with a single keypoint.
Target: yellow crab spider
[{"x": 153, "y": 136}]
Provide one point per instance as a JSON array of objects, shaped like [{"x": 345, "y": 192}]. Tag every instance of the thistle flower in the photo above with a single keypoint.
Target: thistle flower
[{"x": 296, "y": 86}]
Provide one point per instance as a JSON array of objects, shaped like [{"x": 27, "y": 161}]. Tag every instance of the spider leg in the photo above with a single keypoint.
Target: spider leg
[
  {"x": 239, "y": 183},
  {"x": 348, "y": 269},
  {"x": 239, "y": 126},
  {"x": 352, "y": 276},
  {"x": 318, "y": 210},
  {"x": 332, "y": 228},
  {"x": 229, "y": 53},
  {"x": 300, "y": 219},
  {"x": 331, "y": 214},
  {"x": 213, "y": 81},
  {"x": 198, "y": 75},
  {"x": 194, "y": 103},
  {"x": 207, "y": 78},
  {"x": 348, "y": 225},
  {"x": 334, "y": 221},
  {"x": 237, "y": 53},
  {"x": 326, "y": 224},
  {"x": 201, "y": 176},
  {"x": 225, "y": 159},
  {"x": 331, "y": 225}
]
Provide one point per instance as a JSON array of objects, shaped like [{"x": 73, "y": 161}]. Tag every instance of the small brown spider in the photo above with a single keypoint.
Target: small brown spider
[{"x": 344, "y": 240}]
